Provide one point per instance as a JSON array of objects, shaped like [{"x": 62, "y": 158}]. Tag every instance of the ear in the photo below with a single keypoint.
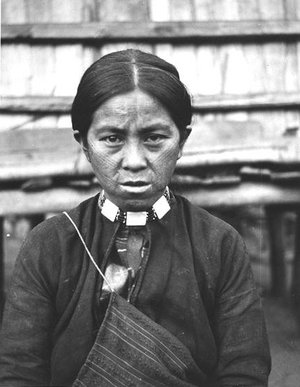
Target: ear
[
  {"x": 184, "y": 137},
  {"x": 83, "y": 143}
]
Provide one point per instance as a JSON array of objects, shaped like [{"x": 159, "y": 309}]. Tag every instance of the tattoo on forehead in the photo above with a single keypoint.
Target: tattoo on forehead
[{"x": 135, "y": 73}]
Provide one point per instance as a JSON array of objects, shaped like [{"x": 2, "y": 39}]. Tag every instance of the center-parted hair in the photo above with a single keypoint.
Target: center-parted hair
[{"x": 123, "y": 71}]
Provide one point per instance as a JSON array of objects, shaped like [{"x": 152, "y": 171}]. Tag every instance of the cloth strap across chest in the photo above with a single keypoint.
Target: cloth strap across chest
[{"x": 132, "y": 350}]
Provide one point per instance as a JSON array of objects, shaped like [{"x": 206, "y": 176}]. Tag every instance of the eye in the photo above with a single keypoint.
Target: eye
[
  {"x": 112, "y": 139},
  {"x": 154, "y": 138}
]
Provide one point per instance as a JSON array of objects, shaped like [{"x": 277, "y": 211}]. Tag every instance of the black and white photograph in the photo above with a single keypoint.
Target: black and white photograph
[{"x": 150, "y": 193}]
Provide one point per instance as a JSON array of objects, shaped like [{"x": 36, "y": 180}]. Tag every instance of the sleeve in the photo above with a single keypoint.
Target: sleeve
[
  {"x": 29, "y": 314},
  {"x": 244, "y": 357}
]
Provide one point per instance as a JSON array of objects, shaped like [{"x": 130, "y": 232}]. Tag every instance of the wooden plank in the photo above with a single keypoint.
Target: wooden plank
[
  {"x": 159, "y": 10},
  {"x": 38, "y": 11},
  {"x": 225, "y": 10},
  {"x": 215, "y": 136},
  {"x": 256, "y": 68},
  {"x": 204, "y": 10},
  {"x": 15, "y": 69},
  {"x": 297, "y": 14},
  {"x": 42, "y": 70},
  {"x": 2, "y": 285},
  {"x": 66, "y": 11},
  {"x": 14, "y": 202},
  {"x": 49, "y": 69},
  {"x": 126, "y": 10},
  {"x": 218, "y": 142},
  {"x": 273, "y": 121},
  {"x": 248, "y": 9},
  {"x": 271, "y": 9},
  {"x": 33, "y": 153},
  {"x": 52, "y": 200},
  {"x": 235, "y": 79},
  {"x": 172, "y": 31},
  {"x": 13, "y": 11},
  {"x": 291, "y": 78},
  {"x": 254, "y": 62},
  {"x": 165, "y": 51},
  {"x": 295, "y": 291},
  {"x": 276, "y": 100},
  {"x": 262, "y": 153},
  {"x": 16, "y": 121},
  {"x": 184, "y": 58},
  {"x": 210, "y": 62},
  {"x": 292, "y": 122},
  {"x": 274, "y": 62},
  {"x": 298, "y": 60},
  {"x": 36, "y": 104},
  {"x": 201, "y": 103},
  {"x": 274, "y": 218},
  {"x": 181, "y": 10},
  {"x": 68, "y": 69},
  {"x": 290, "y": 9},
  {"x": 241, "y": 195},
  {"x": 89, "y": 10}
]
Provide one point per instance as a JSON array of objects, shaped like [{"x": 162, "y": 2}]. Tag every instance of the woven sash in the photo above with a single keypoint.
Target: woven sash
[{"x": 132, "y": 350}]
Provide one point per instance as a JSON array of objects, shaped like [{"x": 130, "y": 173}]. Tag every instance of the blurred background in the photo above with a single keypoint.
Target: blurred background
[{"x": 240, "y": 60}]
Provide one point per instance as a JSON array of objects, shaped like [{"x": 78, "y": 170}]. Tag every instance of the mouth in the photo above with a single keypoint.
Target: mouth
[
  {"x": 138, "y": 183},
  {"x": 136, "y": 187}
]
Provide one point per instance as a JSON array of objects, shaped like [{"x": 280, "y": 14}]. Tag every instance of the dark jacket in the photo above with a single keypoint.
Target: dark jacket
[{"x": 197, "y": 283}]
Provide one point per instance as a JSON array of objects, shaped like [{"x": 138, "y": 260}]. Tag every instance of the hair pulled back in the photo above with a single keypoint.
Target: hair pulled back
[{"x": 123, "y": 71}]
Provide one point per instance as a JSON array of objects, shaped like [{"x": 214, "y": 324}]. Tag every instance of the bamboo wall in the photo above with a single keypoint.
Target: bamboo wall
[{"x": 240, "y": 61}]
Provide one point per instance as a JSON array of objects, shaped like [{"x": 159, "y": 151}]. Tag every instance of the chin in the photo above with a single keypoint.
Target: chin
[
  {"x": 132, "y": 204},
  {"x": 136, "y": 202},
  {"x": 136, "y": 205}
]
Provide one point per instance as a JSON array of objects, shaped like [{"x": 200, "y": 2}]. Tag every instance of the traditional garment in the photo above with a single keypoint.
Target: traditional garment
[
  {"x": 130, "y": 349},
  {"x": 195, "y": 283}
]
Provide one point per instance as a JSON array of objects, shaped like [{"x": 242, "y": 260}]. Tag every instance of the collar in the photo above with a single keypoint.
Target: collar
[{"x": 138, "y": 218}]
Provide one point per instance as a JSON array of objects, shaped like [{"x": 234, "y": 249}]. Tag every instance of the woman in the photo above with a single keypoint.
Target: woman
[{"x": 134, "y": 287}]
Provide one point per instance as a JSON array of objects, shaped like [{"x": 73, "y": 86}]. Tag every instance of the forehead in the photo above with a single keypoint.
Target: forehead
[{"x": 135, "y": 106}]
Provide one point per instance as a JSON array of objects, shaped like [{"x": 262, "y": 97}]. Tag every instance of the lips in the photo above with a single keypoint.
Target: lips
[
  {"x": 138, "y": 183},
  {"x": 138, "y": 187}
]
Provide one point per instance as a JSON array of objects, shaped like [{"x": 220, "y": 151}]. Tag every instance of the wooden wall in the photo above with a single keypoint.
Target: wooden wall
[{"x": 239, "y": 59}]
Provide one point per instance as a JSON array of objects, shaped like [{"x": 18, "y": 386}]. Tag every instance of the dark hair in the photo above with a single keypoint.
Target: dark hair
[{"x": 123, "y": 71}]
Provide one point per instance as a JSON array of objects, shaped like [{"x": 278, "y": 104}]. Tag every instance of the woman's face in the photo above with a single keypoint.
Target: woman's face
[{"x": 133, "y": 145}]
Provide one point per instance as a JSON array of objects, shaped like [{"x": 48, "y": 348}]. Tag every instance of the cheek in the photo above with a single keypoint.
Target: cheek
[
  {"x": 164, "y": 164},
  {"x": 104, "y": 166},
  {"x": 168, "y": 156}
]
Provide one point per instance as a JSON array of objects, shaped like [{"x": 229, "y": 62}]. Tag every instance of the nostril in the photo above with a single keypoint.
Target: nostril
[
  {"x": 134, "y": 159},
  {"x": 134, "y": 168}
]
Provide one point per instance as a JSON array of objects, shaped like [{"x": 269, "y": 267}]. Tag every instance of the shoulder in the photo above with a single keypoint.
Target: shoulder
[
  {"x": 51, "y": 247},
  {"x": 58, "y": 226},
  {"x": 201, "y": 221},
  {"x": 50, "y": 240},
  {"x": 216, "y": 244},
  {"x": 220, "y": 255}
]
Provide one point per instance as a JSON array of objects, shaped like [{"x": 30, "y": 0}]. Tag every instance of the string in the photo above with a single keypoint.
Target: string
[{"x": 88, "y": 252}]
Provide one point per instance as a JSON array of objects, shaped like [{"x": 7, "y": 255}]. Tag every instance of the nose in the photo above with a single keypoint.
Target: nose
[{"x": 134, "y": 158}]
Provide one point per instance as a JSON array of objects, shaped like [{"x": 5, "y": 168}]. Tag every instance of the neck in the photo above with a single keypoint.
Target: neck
[{"x": 135, "y": 218}]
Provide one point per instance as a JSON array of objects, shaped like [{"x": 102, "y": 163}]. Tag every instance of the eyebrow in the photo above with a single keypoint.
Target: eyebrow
[
  {"x": 154, "y": 127},
  {"x": 145, "y": 129}
]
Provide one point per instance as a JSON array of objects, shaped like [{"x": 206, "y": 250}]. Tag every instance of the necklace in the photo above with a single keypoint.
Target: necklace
[{"x": 134, "y": 218}]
